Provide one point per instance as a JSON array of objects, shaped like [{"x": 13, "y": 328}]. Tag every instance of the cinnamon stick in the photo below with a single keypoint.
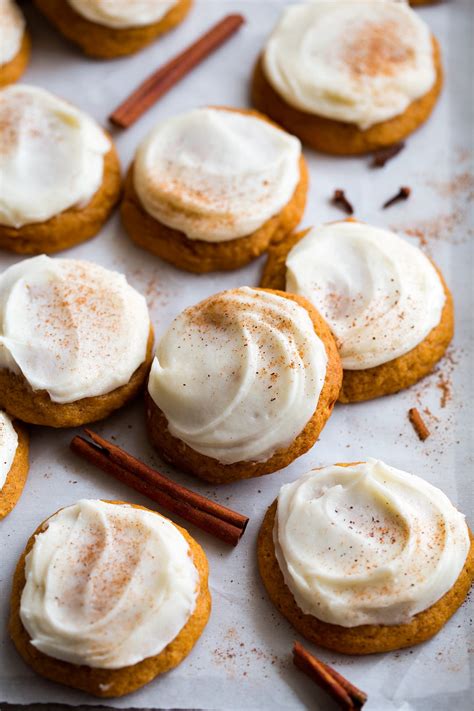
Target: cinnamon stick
[
  {"x": 219, "y": 521},
  {"x": 164, "y": 78},
  {"x": 348, "y": 696},
  {"x": 418, "y": 423}
]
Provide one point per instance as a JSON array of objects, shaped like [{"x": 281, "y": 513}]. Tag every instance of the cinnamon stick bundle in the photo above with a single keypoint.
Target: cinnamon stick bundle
[{"x": 219, "y": 521}]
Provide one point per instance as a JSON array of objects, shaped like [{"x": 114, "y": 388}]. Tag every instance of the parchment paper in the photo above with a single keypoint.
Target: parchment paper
[{"x": 243, "y": 658}]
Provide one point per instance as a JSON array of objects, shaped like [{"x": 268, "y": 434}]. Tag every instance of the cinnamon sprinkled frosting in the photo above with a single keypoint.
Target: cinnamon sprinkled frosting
[
  {"x": 356, "y": 61},
  {"x": 380, "y": 295},
  {"x": 71, "y": 327},
  {"x": 8, "y": 446},
  {"x": 51, "y": 156},
  {"x": 107, "y": 585},
  {"x": 216, "y": 174},
  {"x": 367, "y": 543},
  {"x": 12, "y": 28},
  {"x": 239, "y": 375}
]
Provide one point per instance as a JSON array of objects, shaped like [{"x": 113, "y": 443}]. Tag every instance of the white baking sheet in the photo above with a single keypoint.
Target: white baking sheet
[{"x": 243, "y": 658}]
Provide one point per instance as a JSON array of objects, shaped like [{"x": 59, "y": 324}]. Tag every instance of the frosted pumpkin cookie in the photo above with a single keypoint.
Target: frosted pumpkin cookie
[
  {"x": 13, "y": 462},
  {"x": 242, "y": 384},
  {"x": 349, "y": 77},
  {"x": 212, "y": 188},
  {"x": 14, "y": 42},
  {"x": 107, "y": 596},
  {"x": 385, "y": 302},
  {"x": 60, "y": 172},
  {"x": 365, "y": 558},
  {"x": 75, "y": 341},
  {"x": 113, "y": 28}
]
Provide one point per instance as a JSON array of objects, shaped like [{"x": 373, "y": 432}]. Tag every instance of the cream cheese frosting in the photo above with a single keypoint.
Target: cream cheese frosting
[
  {"x": 12, "y": 29},
  {"x": 121, "y": 14},
  {"x": 107, "y": 585},
  {"x": 71, "y": 327},
  {"x": 8, "y": 446},
  {"x": 215, "y": 174},
  {"x": 239, "y": 375},
  {"x": 356, "y": 61},
  {"x": 367, "y": 544},
  {"x": 380, "y": 295},
  {"x": 51, "y": 156}
]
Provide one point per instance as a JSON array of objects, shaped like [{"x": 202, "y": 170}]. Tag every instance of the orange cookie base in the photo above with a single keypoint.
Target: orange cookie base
[
  {"x": 16, "y": 477},
  {"x": 108, "y": 42},
  {"x": 186, "y": 459},
  {"x": 108, "y": 683},
  {"x": 387, "y": 378},
  {"x": 37, "y": 408},
  {"x": 12, "y": 70},
  {"x": 364, "y": 639},
  {"x": 340, "y": 138},
  {"x": 75, "y": 225}
]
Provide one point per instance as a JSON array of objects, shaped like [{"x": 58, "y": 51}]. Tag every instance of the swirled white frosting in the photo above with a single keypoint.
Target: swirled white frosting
[
  {"x": 51, "y": 156},
  {"x": 12, "y": 28},
  {"x": 8, "y": 446},
  {"x": 123, "y": 13},
  {"x": 216, "y": 174},
  {"x": 380, "y": 295},
  {"x": 355, "y": 61},
  {"x": 367, "y": 544},
  {"x": 107, "y": 585},
  {"x": 239, "y": 375},
  {"x": 70, "y": 327}
]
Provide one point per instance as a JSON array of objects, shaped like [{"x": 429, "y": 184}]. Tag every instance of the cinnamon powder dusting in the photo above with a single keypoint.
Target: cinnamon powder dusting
[
  {"x": 444, "y": 386},
  {"x": 452, "y": 223},
  {"x": 233, "y": 651},
  {"x": 376, "y": 49},
  {"x": 176, "y": 194},
  {"x": 97, "y": 570},
  {"x": 21, "y": 117},
  {"x": 66, "y": 309}
]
